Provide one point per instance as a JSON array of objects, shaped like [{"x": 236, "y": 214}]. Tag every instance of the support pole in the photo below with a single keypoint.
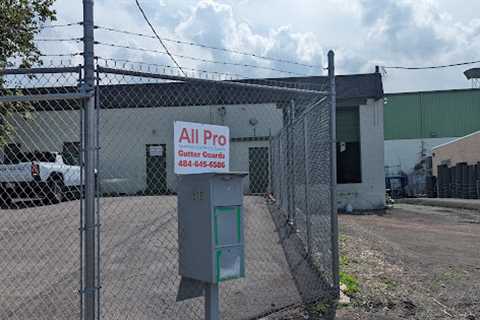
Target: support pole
[
  {"x": 89, "y": 269},
  {"x": 291, "y": 167},
  {"x": 212, "y": 309},
  {"x": 333, "y": 173},
  {"x": 292, "y": 162},
  {"x": 307, "y": 186}
]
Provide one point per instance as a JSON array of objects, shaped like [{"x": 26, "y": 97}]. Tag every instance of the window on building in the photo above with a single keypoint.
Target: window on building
[
  {"x": 71, "y": 153},
  {"x": 348, "y": 145}
]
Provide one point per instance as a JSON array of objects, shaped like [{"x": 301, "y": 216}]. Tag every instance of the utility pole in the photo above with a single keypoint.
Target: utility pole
[{"x": 89, "y": 291}]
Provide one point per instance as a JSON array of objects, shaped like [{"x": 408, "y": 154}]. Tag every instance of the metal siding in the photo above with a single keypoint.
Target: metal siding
[
  {"x": 432, "y": 114},
  {"x": 402, "y": 117},
  {"x": 451, "y": 114}
]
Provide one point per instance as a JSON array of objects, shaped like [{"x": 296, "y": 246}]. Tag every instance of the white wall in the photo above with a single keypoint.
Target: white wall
[
  {"x": 403, "y": 154},
  {"x": 124, "y": 134},
  {"x": 370, "y": 193}
]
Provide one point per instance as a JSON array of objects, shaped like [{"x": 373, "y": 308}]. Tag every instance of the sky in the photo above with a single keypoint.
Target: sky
[{"x": 363, "y": 34}]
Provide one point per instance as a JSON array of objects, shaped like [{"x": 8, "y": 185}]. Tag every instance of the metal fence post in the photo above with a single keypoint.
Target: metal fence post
[
  {"x": 81, "y": 188},
  {"x": 98, "y": 191},
  {"x": 307, "y": 174},
  {"x": 89, "y": 268},
  {"x": 333, "y": 168},
  {"x": 270, "y": 162},
  {"x": 281, "y": 160},
  {"x": 291, "y": 165},
  {"x": 288, "y": 180}
]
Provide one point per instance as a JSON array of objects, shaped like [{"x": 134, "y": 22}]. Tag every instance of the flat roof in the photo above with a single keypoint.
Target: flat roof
[
  {"x": 473, "y": 73},
  {"x": 431, "y": 91},
  {"x": 455, "y": 140}
]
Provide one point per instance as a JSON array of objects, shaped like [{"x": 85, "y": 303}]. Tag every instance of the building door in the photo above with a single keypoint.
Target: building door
[
  {"x": 156, "y": 161},
  {"x": 258, "y": 169}
]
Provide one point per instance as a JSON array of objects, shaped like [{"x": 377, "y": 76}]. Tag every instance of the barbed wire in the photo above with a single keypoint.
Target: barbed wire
[
  {"x": 164, "y": 66},
  {"x": 132, "y": 65},
  {"x": 59, "y": 39},
  {"x": 51, "y": 26},
  {"x": 204, "y": 46},
  {"x": 74, "y": 54},
  {"x": 198, "y": 59}
]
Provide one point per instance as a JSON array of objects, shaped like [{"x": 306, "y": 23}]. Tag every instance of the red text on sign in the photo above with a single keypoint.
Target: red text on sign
[{"x": 214, "y": 138}]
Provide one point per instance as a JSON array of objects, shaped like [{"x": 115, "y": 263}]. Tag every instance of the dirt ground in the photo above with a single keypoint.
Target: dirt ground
[{"x": 413, "y": 262}]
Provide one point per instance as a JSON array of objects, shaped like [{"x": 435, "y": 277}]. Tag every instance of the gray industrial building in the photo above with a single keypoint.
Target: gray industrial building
[{"x": 135, "y": 119}]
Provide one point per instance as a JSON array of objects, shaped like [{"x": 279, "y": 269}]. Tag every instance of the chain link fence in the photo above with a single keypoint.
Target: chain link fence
[
  {"x": 40, "y": 187},
  {"x": 280, "y": 133},
  {"x": 303, "y": 186},
  {"x": 137, "y": 109}
]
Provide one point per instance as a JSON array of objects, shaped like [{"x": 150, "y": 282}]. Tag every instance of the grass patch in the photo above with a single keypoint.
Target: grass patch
[
  {"x": 318, "y": 309},
  {"x": 351, "y": 282},
  {"x": 342, "y": 238},
  {"x": 446, "y": 277},
  {"x": 344, "y": 261}
]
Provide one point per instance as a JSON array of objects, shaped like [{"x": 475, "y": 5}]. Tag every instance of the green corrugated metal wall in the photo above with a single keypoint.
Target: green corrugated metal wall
[{"x": 431, "y": 114}]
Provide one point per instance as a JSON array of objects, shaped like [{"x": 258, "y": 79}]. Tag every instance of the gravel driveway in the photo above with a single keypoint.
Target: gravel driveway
[{"x": 39, "y": 277}]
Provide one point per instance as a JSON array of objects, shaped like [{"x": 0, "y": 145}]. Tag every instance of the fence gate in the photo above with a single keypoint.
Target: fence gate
[{"x": 40, "y": 215}]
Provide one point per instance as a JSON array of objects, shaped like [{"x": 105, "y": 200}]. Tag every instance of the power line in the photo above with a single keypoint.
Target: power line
[
  {"x": 204, "y": 46},
  {"x": 158, "y": 37},
  {"x": 433, "y": 67},
  {"x": 198, "y": 59}
]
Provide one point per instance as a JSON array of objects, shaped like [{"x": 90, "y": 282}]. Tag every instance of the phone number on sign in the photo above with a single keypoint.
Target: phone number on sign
[{"x": 201, "y": 164}]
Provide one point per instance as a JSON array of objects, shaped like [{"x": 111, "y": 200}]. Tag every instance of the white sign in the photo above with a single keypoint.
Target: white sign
[
  {"x": 201, "y": 148},
  {"x": 156, "y": 151}
]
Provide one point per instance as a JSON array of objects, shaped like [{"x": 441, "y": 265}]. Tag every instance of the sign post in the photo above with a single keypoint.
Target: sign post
[{"x": 210, "y": 213}]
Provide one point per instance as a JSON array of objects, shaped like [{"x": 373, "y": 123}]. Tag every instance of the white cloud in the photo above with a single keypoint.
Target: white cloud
[
  {"x": 362, "y": 32},
  {"x": 215, "y": 24}
]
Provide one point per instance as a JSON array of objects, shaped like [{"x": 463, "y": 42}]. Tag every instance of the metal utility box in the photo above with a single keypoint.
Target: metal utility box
[{"x": 210, "y": 226}]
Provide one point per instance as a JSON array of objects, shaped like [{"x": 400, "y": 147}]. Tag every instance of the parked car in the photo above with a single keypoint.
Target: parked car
[{"x": 38, "y": 175}]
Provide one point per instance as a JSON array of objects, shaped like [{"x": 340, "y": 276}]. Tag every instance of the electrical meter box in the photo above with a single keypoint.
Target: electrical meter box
[{"x": 210, "y": 226}]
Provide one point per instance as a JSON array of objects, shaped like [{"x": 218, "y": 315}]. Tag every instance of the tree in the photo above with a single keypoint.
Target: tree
[{"x": 20, "y": 21}]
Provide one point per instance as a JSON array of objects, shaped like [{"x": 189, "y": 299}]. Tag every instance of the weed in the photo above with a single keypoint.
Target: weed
[
  {"x": 351, "y": 282},
  {"x": 344, "y": 261},
  {"x": 320, "y": 308}
]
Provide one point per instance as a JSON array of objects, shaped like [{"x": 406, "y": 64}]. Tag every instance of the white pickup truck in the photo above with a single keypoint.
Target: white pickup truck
[{"x": 38, "y": 175}]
